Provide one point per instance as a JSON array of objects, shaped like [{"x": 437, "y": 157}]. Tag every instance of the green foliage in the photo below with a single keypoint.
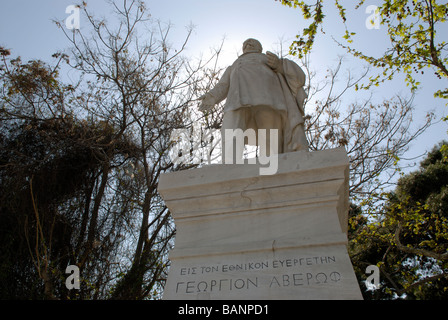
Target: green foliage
[
  {"x": 80, "y": 163},
  {"x": 407, "y": 236},
  {"x": 304, "y": 43},
  {"x": 414, "y": 29},
  {"x": 49, "y": 165},
  {"x": 44, "y": 167}
]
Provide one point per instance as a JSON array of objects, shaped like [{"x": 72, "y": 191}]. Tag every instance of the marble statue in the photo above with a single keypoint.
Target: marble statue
[{"x": 262, "y": 91}]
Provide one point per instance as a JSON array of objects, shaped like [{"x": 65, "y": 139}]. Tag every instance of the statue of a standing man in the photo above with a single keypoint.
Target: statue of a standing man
[{"x": 263, "y": 92}]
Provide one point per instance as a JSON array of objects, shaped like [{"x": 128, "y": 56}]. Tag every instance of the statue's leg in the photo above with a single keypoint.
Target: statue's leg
[
  {"x": 269, "y": 119},
  {"x": 232, "y": 149}
]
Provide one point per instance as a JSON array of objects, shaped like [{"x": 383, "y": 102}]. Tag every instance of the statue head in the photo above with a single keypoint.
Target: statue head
[{"x": 252, "y": 45}]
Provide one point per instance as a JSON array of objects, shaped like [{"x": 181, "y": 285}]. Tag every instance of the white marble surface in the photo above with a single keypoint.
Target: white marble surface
[
  {"x": 262, "y": 91},
  {"x": 229, "y": 215}
]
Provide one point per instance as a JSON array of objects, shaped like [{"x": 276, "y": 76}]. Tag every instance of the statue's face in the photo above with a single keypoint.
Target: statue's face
[{"x": 252, "y": 45}]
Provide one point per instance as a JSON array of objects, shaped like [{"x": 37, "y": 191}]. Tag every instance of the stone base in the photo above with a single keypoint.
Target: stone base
[{"x": 242, "y": 235}]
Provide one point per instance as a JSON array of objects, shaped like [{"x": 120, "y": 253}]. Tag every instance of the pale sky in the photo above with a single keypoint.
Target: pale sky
[{"x": 27, "y": 29}]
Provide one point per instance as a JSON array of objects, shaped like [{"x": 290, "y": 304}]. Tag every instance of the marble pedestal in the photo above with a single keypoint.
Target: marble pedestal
[{"x": 242, "y": 235}]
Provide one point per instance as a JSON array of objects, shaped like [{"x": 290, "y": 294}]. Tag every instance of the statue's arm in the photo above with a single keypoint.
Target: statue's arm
[
  {"x": 295, "y": 78},
  {"x": 274, "y": 62},
  {"x": 294, "y": 74},
  {"x": 218, "y": 93}
]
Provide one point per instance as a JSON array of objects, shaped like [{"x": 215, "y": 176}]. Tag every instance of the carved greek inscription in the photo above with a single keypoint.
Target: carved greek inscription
[
  {"x": 253, "y": 275},
  {"x": 214, "y": 285},
  {"x": 305, "y": 279}
]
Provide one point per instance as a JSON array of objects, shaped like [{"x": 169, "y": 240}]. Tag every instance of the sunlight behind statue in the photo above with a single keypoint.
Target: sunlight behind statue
[{"x": 262, "y": 92}]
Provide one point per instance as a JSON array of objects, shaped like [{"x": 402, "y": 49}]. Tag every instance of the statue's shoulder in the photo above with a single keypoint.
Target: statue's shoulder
[{"x": 251, "y": 57}]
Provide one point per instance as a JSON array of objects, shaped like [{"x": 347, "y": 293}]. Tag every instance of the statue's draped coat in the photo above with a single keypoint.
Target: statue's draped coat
[{"x": 250, "y": 82}]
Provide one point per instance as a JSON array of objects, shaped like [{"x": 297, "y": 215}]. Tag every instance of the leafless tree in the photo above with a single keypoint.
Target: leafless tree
[{"x": 375, "y": 134}]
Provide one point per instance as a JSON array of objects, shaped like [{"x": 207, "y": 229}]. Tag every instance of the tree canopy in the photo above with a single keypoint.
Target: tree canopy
[
  {"x": 416, "y": 30},
  {"x": 80, "y": 162},
  {"x": 407, "y": 236}
]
